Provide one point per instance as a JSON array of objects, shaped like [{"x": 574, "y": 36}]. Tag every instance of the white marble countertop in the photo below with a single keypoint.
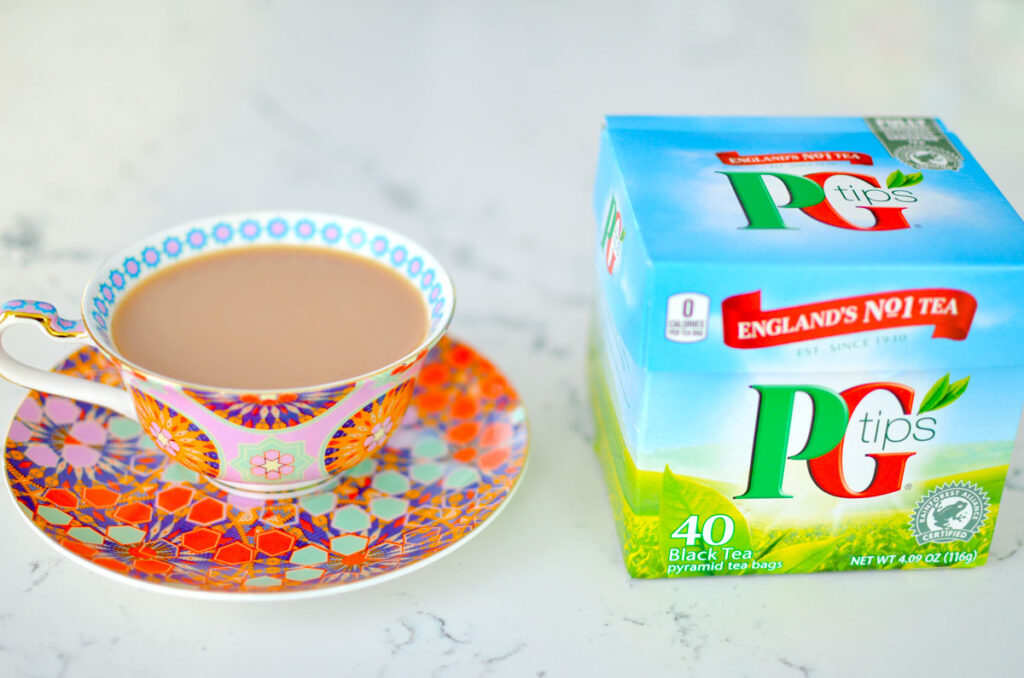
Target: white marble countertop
[{"x": 474, "y": 128}]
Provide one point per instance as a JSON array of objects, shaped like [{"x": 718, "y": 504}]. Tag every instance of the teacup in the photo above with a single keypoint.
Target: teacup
[{"x": 259, "y": 444}]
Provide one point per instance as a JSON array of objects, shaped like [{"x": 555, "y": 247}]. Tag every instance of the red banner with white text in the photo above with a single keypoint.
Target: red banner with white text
[
  {"x": 852, "y": 157},
  {"x": 746, "y": 325}
]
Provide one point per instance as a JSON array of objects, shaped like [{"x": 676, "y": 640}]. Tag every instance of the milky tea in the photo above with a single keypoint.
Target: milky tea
[
  {"x": 270, "y": 318},
  {"x": 807, "y": 347}
]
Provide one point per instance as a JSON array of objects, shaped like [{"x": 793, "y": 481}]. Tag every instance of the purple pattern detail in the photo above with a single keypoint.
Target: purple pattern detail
[{"x": 279, "y": 411}]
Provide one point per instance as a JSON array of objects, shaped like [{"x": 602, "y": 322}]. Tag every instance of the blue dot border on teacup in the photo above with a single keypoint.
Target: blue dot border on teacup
[{"x": 401, "y": 255}]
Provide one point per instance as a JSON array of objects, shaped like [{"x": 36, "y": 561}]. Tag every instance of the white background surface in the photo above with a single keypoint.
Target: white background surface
[{"x": 473, "y": 127}]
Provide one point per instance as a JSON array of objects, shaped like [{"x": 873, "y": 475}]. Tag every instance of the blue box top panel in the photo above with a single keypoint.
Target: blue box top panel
[{"x": 888, "y": 191}]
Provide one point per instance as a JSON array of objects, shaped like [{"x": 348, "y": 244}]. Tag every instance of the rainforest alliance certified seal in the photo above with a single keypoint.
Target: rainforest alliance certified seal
[
  {"x": 921, "y": 143},
  {"x": 951, "y": 512},
  {"x": 930, "y": 156}
]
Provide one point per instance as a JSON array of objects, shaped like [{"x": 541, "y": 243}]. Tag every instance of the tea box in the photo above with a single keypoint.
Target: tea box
[{"x": 806, "y": 353}]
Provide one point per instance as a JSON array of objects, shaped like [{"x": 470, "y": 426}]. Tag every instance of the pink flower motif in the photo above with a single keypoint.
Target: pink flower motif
[
  {"x": 272, "y": 465},
  {"x": 378, "y": 434},
  {"x": 163, "y": 438}
]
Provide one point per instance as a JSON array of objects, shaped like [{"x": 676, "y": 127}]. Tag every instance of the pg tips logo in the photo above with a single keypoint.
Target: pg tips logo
[
  {"x": 832, "y": 198},
  {"x": 889, "y": 422},
  {"x": 612, "y": 237}
]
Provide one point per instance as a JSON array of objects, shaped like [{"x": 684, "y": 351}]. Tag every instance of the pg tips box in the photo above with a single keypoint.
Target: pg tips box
[{"x": 806, "y": 350}]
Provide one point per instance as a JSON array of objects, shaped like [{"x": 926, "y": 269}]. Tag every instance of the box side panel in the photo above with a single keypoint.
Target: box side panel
[{"x": 621, "y": 268}]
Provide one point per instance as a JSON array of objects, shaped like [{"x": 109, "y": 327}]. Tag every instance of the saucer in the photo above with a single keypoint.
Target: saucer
[{"x": 95, "y": 487}]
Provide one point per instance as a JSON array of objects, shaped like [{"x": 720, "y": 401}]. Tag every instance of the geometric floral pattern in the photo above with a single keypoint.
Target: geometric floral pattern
[
  {"x": 269, "y": 411},
  {"x": 177, "y": 435},
  {"x": 93, "y": 483},
  {"x": 367, "y": 430},
  {"x": 272, "y": 459}
]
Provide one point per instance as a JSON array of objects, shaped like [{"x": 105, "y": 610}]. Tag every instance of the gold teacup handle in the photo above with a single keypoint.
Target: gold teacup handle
[{"x": 44, "y": 315}]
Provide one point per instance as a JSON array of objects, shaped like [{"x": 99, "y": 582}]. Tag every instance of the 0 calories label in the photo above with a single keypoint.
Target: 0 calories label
[
  {"x": 686, "y": 318},
  {"x": 747, "y": 325}
]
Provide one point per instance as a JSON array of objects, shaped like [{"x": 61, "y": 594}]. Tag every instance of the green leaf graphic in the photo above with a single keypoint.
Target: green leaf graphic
[
  {"x": 953, "y": 391},
  {"x": 681, "y": 498},
  {"x": 803, "y": 557},
  {"x": 913, "y": 179},
  {"x": 934, "y": 395},
  {"x": 774, "y": 542},
  {"x": 896, "y": 179}
]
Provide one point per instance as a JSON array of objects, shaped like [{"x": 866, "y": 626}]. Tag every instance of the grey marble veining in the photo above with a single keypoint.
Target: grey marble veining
[{"x": 473, "y": 127}]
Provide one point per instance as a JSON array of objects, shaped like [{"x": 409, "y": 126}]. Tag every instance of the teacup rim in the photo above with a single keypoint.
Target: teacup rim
[{"x": 109, "y": 350}]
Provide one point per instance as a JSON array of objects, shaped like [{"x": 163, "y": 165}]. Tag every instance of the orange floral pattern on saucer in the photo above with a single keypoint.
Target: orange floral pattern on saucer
[{"x": 91, "y": 482}]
